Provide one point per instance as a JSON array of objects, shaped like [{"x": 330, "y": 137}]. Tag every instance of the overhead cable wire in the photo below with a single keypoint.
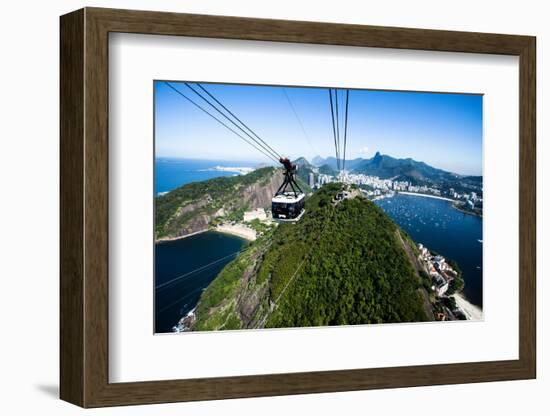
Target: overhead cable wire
[
  {"x": 179, "y": 300},
  {"x": 221, "y": 122},
  {"x": 346, "y": 129},
  {"x": 338, "y": 129},
  {"x": 184, "y": 276},
  {"x": 238, "y": 119},
  {"x": 333, "y": 126},
  {"x": 211, "y": 104},
  {"x": 261, "y": 141},
  {"x": 299, "y": 121}
]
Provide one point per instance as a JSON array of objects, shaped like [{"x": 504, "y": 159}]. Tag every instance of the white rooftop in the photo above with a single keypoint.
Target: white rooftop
[{"x": 288, "y": 198}]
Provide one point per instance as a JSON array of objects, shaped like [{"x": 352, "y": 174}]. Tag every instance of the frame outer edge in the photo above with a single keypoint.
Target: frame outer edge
[
  {"x": 71, "y": 295},
  {"x": 96, "y": 208},
  {"x": 84, "y": 203},
  {"x": 273, "y": 30},
  {"x": 528, "y": 208}
]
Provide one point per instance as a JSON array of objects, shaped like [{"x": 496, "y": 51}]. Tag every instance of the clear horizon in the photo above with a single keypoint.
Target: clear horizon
[{"x": 440, "y": 129}]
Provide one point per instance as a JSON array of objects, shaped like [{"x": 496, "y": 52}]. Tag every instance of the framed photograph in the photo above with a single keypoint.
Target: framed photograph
[{"x": 260, "y": 207}]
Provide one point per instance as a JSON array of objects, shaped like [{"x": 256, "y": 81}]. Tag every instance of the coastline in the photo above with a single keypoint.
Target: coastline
[
  {"x": 239, "y": 230},
  {"x": 425, "y": 195},
  {"x": 475, "y": 214},
  {"x": 240, "y": 170},
  {"x": 168, "y": 239},
  {"x": 453, "y": 201},
  {"x": 472, "y": 312}
]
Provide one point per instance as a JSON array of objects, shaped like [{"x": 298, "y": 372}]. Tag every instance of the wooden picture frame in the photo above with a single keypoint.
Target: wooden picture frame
[{"x": 84, "y": 207}]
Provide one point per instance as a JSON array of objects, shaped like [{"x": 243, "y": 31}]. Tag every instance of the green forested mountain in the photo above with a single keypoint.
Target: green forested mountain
[
  {"x": 344, "y": 263},
  {"x": 193, "y": 207}
]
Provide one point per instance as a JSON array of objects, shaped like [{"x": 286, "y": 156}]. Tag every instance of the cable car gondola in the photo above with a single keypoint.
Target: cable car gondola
[{"x": 288, "y": 205}]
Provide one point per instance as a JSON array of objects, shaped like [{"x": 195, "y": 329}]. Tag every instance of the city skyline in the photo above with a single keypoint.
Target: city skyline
[{"x": 443, "y": 130}]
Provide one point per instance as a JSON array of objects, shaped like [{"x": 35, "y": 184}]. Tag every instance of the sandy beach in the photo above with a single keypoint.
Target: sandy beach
[
  {"x": 240, "y": 230},
  {"x": 471, "y": 311}
]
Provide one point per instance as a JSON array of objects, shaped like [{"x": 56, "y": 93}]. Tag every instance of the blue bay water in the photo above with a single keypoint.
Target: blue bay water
[
  {"x": 173, "y": 173},
  {"x": 193, "y": 261},
  {"x": 184, "y": 268},
  {"x": 444, "y": 229}
]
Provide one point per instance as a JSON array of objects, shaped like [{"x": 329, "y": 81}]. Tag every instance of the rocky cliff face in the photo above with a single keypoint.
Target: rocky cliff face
[
  {"x": 194, "y": 207},
  {"x": 259, "y": 195},
  {"x": 193, "y": 223}
]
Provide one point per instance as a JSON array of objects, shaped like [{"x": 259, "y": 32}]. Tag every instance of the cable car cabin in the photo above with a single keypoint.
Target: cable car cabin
[{"x": 288, "y": 206}]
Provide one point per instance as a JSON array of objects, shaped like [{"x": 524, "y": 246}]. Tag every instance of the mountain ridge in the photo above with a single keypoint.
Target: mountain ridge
[{"x": 388, "y": 167}]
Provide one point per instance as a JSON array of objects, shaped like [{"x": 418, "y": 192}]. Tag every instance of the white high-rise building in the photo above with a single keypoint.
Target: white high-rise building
[{"x": 311, "y": 180}]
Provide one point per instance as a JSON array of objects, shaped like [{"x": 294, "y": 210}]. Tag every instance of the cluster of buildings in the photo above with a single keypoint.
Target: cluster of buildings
[
  {"x": 439, "y": 270},
  {"x": 471, "y": 198},
  {"x": 423, "y": 190},
  {"x": 357, "y": 179},
  {"x": 388, "y": 186},
  {"x": 383, "y": 185},
  {"x": 372, "y": 181}
]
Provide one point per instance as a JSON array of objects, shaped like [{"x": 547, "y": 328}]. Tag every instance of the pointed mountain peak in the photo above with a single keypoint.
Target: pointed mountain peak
[{"x": 301, "y": 161}]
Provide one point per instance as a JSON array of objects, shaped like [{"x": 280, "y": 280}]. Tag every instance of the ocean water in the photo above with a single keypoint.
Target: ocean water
[
  {"x": 173, "y": 173},
  {"x": 184, "y": 268},
  {"x": 444, "y": 229}
]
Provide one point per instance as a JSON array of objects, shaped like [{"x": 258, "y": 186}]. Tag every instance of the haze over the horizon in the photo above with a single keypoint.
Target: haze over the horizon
[{"x": 442, "y": 130}]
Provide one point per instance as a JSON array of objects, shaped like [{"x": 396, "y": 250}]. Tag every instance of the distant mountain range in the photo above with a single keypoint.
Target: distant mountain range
[{"x": 388, "y": 167}]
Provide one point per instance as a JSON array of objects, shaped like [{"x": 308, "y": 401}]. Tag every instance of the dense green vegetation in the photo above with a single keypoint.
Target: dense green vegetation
[
  {"x": 205, "y": 197},
  {"x": 259, "y": 227},
  {"x": 457, "y": 284},
  {"x": 340, "y": 264},
  {"x": 355, "y": 270},
  {"x": 217, "y": 308}
]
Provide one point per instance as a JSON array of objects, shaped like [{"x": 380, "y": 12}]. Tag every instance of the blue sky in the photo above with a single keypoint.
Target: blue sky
[{"x": 443, "y": 130}]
